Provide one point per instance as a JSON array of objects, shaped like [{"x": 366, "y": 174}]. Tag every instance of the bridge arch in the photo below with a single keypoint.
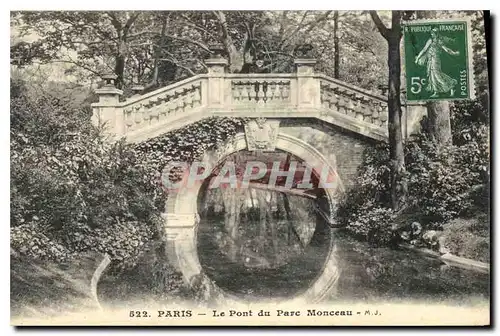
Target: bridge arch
[{"x": 181, "y": 218}]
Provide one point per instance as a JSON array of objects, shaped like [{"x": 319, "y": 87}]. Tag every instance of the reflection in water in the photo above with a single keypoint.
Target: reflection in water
[{"x": 258, "y": 279}]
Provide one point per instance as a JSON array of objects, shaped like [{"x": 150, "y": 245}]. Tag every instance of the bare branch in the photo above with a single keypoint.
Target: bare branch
[{"x": 380, "y": 25}]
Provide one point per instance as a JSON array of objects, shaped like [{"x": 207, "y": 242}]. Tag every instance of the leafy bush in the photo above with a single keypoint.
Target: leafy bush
[
  {"x": 440, "y": 179},
  {"x": 444, "y": 183},
  {"x": 72, "y": 191},
  {"x": 374, "y": 225},
  {"x": 365, "y": 211},
  {"x": 71, "y": 188},
  {"x": 30, "y": 240}
]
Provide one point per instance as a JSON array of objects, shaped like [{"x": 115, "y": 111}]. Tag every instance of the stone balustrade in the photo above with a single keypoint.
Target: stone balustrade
[
  {"x": 260, "y": 90},
  {"x": 364, "y": 106}
]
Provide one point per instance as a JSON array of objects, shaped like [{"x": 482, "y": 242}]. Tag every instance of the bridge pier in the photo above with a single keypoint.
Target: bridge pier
[{"x": 181, "y": 220}]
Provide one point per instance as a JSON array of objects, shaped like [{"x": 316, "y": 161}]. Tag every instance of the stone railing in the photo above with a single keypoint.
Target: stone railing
[
  {"x": 144, "y": 111},
  {"x": 303, "y": 94},
  {"x": 260, "y": 90},
  {"x": 162, "y": 105}
]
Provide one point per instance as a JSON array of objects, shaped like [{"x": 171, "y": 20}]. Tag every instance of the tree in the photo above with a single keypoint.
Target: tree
[
  {"x": 393, "y": 37},
  {"x": 438, "y": 112},
  {"x": 336, "y": 45}
]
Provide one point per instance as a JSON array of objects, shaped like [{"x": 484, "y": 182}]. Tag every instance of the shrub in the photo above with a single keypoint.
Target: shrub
[
  {"x": 468, "y": 238},
  {"x": 30, "y": 240},
  {"x": 69, "y": 187},
  {"x": 374, "y": 225},
  {"x": 443, "y": 181}
]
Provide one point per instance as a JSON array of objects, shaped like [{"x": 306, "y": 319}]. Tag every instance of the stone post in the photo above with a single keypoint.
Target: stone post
[
  {"x": 107, "y": 112},
  {"x": 216, "y": 83},
  {"x": 308, "y": 87}
]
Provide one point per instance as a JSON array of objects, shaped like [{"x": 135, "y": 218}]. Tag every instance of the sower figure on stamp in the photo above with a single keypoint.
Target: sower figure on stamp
[{"x": 430, "y": 55}]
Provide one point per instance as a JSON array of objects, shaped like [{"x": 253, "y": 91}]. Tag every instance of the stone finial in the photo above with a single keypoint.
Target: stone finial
[
  {"x": 304, "y": 51},
  {"x": 305, "y": 66},
  {"x": 383, "y": 89},
  {"x": 217, "y": 62},
  {"x": 217, "y": 50},
  {"x": 108, "y": 93},
  {"x": 137, "y": 90}
]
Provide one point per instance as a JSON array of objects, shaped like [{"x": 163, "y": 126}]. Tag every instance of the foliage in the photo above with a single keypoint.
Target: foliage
[
  {"x": 444, "y": 183},
  {"x": 156, "y": 48},
  {"x": 71, "y": 188},
  {"x": 469, "y": 238},
  {"x": 188, "y": 143},
  {"x": 373, "y": 224},
  {"x": 365, "y": 211},
  {"x": 29, "y": 240}
]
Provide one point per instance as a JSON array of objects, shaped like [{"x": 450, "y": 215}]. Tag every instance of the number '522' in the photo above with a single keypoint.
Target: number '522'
[{"x": 416, "y": 84}]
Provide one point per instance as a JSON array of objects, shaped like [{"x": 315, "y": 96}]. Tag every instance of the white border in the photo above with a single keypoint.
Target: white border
[
  {"x": 470, "y": 55},
  {"x": 256, "y": 4}
]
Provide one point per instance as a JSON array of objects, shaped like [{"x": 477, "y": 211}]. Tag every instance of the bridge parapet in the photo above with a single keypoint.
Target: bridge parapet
[
  {"x": 362, "y": 105},
  {"x": 260, "y": 90},
  {"x": 303, "y": 94}
]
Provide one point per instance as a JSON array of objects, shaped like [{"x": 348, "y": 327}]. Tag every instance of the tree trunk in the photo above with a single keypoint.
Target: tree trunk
[
  {"x": 438, "y": 112},
  {"x": 336, "y": 57},
  {"x": 231, "y": 217},
  {"x": 236, "y": 57},
  {"x": 439, "y": 122},
  {"x": 398, "y": 182}
]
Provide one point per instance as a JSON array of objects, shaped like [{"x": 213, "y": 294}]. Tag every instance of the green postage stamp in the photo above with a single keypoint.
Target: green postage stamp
[{"x": 438, "y": 60}]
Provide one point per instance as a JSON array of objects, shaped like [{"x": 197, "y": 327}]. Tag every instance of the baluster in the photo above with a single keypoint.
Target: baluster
[
  {"x": 180, "y": 103},
  {"x": 358, "y": 110},
  {"x": 250, "y": 90},
  {"x": 160, "y": 103},
  {"x": 383, "y": 114},
  {"x": 333, "y": 100},
  {"x": 128, "y": 118},
  {"x": 243, "y": 91},
  {"x": 341, "y": 105},
  {"x": 138, "y": 114},
  {"x": 286, "y": 91},
  {"x": 169, "y": 107},
  {"x": 278, "y": 93},
  {"x": 265, "y": 90},
  {"x": 374, "y": 113},
  {"x": 272, "y": 90},
  {"x": 325, "y": 99},
  {"x": 176, "y": 103},
  {"x": 259, "y": 86},
  {"x": 367, "y": 113},
  {"x": 350, "y": 105},
  {"x": 255, "y": 91},
  {"x": 235, "y": 92},
  {"x": 147, "y": 111}
]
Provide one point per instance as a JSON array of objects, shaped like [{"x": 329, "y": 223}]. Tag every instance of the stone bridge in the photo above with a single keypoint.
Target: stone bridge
[{"x": 317, "y": 118}]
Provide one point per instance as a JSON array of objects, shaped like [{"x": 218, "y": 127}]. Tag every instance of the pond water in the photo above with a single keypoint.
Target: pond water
[{"x": 367, "y": 273}]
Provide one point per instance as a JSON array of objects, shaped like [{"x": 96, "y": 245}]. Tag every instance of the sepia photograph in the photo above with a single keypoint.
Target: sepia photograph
[{"x": 250, "y": 168}]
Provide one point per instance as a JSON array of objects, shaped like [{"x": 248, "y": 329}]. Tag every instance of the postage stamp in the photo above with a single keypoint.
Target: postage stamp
[{"x": 438, "y": 60}]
